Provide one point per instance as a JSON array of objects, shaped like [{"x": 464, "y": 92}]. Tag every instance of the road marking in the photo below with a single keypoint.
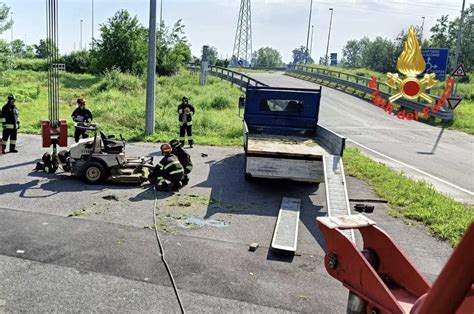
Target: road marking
[{"x": 414, "y": 168}]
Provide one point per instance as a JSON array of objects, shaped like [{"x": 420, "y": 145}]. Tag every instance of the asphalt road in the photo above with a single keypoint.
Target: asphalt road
[
  {"x": 105, "y": 259},
  {"x": 443, "y": 158}
]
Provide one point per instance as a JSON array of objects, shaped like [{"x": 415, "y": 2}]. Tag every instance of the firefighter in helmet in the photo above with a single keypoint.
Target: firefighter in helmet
[
  {"x": 168, "y": 169},
  {"x": 10, "y": 123},
  {"x": 186, "y": 112},
  {"x": 81, "y": 116},
  {"x": 184, "y": 158}
]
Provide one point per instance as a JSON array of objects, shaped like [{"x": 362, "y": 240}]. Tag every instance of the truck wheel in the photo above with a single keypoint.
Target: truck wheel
[
  {"x": 248, "y": 177},
  {"x": 94, "y": 172}
]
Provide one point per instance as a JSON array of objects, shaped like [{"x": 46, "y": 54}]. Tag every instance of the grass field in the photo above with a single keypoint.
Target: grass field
[
  {"x": 117, "y": 102},
  {"x": 413, "y": 200},
  {"x": 463, "y": 115}
]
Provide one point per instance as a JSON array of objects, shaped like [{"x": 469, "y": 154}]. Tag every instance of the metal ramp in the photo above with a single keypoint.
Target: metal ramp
[
  {"x": 336, "y": 192},
  {"x": 285, "y": 236}
]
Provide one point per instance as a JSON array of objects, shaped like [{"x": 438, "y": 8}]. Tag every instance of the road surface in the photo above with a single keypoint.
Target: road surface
[
  {"x": 443, "y": 158},
  {"x": 105, "y": 258}
]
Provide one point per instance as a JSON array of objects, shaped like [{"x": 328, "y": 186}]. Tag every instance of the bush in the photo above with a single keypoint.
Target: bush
[
  {"x": 114, "y": 79},
  {"x": 219, "y": 103},
  {"x": 36, "y": 65},
  {"x": 77, "y": 62}
]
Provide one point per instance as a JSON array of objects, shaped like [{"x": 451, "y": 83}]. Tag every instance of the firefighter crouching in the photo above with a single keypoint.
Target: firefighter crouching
[
  {"x": 168, "y": 169},
  {"x": 11, "y": 124},
  {"x": 186, "y": 112},
  {"x": 184, "y": 158}
]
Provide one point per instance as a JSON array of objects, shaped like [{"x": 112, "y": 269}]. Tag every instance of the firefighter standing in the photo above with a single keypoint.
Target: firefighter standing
[
  {"x": 184, "y": 159},
  {"x": 168, "y": 169},
  {"x": 81, "y": 115},
  {"x": 11, "y": 124},
  {"x": 186, "y": 112}
]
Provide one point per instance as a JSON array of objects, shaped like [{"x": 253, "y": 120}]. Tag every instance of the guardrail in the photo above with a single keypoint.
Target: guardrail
[
  {"x": 360, "y": 83},
  {"x": 237, "y": 78},
  {"x": 346, "y": 80}
]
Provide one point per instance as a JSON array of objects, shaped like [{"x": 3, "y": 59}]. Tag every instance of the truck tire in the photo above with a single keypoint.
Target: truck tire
[
  {"x": 248, "y": 177},
  {"x": 94, "y": 172}
]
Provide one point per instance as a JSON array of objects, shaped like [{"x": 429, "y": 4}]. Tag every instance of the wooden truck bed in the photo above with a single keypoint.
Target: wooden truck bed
[{"x": 269, "y": 144}]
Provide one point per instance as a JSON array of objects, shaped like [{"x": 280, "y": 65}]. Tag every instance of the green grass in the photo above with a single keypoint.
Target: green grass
[
  {"x": 117, "y": 101},
  {"x": 463, "y": 115},
  {"x": 413, "y": 200}
]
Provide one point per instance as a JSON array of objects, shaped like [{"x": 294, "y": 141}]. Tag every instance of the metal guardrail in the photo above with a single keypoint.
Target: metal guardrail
[
  {"x": 237, "y": 78},
  {"x": 339, "y": 78},
  {"x": 361, "y": 84}
]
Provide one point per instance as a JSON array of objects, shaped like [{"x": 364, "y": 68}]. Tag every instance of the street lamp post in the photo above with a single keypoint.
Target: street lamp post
[
  {"x": 307, "y": 36},
  {"x": 421, "y": 28},
  {"x": 329, "y": 36},
  {"x": 151, "y": 72},
  {"x": 11, "y": 21},
  {"x": 92, "y": 22},
  {"x": 80, "y": 36},
  {"x": 311, "y": 45}
]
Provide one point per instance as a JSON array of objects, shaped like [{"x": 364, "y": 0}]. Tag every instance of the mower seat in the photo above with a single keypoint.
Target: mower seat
[{"x": 111, "y": 146}]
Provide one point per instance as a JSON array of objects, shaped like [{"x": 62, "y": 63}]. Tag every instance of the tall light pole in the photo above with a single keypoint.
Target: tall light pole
[
  {"x": 11, "y": 21},
  {"x": 92, "y": 22},
  {"x": 150, "y": 84},
  {"x": 458, "y": 39},
  {"x": 80, "y": 35},
  {"x": 421, "y": 28},
  {"x": 329, "y": 36},
  {"x": 161, "y": 12},
  {"x": 311, "y": 45},
  {"x": 307, "y": 36}
]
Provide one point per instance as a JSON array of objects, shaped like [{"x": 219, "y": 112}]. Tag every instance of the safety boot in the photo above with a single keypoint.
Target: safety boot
[{"x": 13, "y": 149}]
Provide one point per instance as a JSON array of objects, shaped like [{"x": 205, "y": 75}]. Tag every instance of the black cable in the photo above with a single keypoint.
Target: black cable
[{"x": 162, "y": 254}]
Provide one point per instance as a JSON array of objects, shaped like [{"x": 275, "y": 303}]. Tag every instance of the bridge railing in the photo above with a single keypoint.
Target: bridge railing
[
  {"x": 240, "y": 79},
  {"x": 326, "y": 77},
  {"x": 360, "y": 83}
]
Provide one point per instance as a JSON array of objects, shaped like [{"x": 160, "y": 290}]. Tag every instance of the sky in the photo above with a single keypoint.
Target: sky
[{"x": 280, "y": 24}]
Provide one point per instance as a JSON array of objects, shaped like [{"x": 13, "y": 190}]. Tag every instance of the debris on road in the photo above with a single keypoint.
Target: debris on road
[
  {"x": 253, "y": 246},
  {"x": 111, "y": 197}
]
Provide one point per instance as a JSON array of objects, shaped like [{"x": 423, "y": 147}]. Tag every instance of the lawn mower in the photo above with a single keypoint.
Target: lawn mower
[{"x": 102, "y": 158}]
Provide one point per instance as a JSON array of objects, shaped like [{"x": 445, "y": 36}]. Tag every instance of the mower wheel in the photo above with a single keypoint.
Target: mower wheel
[{"x": 94, "y": 172}]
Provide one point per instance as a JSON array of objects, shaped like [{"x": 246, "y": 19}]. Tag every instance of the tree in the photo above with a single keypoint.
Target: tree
[
  {"x": 352, "y": 54},
  {"x": 18, "y": 48},
  {"x": 4, "y": 25},
  {"x": 268, "y": 57},
  {"x": 172, "y": 49},
  {"x": 123, "y": 45},
  {"x": 213, "y": 55},
  {"x": 301, "y": 55},
  {"x": 379, "y": 55},
  {"x": 78, "y": 61},
  {"x": 45, "y": 48}
]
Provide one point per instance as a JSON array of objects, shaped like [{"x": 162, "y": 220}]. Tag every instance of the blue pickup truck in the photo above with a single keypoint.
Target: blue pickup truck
[{"x": 282, "y": 137}]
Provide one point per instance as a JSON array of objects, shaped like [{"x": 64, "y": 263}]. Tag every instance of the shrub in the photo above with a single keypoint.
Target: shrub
[
  {"x": 114, "y": 79},
  {"x": 219, "y": 103},
  {"x": 36, "y": 65}
]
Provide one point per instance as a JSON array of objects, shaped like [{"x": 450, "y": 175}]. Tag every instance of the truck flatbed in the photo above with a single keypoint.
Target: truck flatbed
[{"x": 269, "y": 144}]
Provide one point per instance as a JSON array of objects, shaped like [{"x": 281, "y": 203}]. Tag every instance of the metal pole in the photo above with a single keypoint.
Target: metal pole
[
  {"x": 307, "y": 36},
  {"x": 311, "y": 45},
  {"x": 80, "y": 36},
  {"x": 11, "y": 20},
  {"x": 329, "y": 36},
  {"x": 150, "y": 85},
  {"x": 421, "y": 28},
  {"x": 92, "y": 22},
  {"x": 458, "y": 39},
  {"x": 204, "y": 65},
  {"x": 161, "y": 12}
]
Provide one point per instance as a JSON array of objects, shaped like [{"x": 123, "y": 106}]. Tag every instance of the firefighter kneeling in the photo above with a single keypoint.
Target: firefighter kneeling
[
  {"x": 184, "y": 158},
  {"x": 168, "y": 169}
]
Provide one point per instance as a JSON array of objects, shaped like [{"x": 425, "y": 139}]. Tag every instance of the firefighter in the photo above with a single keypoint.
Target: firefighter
[
  {"x": 168, "y": 169},
  {"x": 11, "y": 124},
  {"x": 184, "y": 159},
  {"x": 81, "y": 116},
  {"x": 186, "y": 112}
]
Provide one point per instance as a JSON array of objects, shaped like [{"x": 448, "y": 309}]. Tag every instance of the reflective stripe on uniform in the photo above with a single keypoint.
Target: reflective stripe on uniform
[
  {"x": 2, "y": 120},
  {"x": 177, "y": 171},
  {"x": 187, "y": 123},
  {"x": 181, "y": 138},
  {"x": 171, "y": 163},
  {"x": 159, "y": 164},
  {"x": 190, "y": 137},
  {"x": 12, "y": 142},
  {"x": 189, "y": 167},
  {"x": 8, "y": 126}
]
